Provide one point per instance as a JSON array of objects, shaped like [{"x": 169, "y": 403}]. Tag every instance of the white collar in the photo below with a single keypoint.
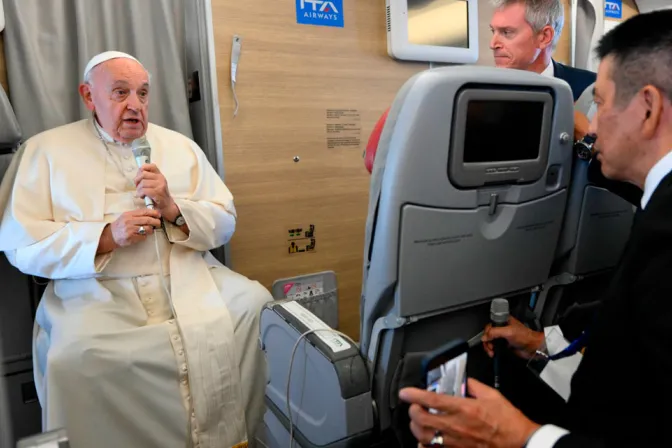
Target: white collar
[
  {"x": 107, "y": 137},
  {"x": 549, "y": 70},
  {"x": 661, "y": 169}
]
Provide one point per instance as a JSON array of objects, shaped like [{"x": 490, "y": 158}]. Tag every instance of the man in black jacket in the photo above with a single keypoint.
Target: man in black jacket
[
  {"x": 623, "y": 383},
  {"x": 524, "y": 36}
]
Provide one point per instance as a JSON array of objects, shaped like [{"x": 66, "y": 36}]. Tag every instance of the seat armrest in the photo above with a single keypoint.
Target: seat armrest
[{"x": 329, "y": 387}]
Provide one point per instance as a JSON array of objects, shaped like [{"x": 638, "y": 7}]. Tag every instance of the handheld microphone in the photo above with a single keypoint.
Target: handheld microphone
[
  {"x": 142, "y": 153},
  {"x": 499, "y": 317}
]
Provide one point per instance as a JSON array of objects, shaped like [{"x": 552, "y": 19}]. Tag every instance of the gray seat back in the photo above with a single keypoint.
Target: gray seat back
[
  {"x": 15, "y": 308},
  {"x": 448, "y": 231},
  {"x": 10, "y": 132}
]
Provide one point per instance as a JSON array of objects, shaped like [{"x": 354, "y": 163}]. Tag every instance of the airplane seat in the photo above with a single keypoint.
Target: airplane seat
[
  {"x": 594, "y": 233},
  {"x": 17, "y": 310},
  {"x": 8, "y": 139},
  {"x": 467, "y": 198},
  {"x": 374, "y": 140},
  {"x": 10, "y": 131}
]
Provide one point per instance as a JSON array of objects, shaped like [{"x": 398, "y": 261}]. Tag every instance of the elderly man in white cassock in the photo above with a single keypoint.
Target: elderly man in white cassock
[{"x": 142, "y": 338}]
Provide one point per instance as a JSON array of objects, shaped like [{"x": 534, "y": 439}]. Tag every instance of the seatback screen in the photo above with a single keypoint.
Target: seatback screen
[
  {"x": 442, "y": 23},
  {"x": 502, "y": 130}
]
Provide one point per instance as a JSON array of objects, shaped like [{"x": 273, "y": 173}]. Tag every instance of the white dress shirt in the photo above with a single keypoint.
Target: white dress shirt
[
  {"x": 548, "y": 435},
  {"x": 661, "y": 169},
  {"x": 549, "y": 70}
]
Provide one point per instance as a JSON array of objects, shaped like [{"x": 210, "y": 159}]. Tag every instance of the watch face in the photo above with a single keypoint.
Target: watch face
[
  {"x": 180, "y": 221},
  {"x": 583, "y": 151}
]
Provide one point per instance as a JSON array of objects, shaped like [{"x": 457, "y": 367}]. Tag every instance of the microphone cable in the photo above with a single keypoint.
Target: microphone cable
[
  {"x": 475, "y": 340},
  {"x": 291, "y": 363}
]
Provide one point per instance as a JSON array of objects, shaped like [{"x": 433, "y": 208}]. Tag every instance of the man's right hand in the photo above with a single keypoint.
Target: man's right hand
[
  {"x": 124, "y": 231},
  {"x": 523, "y": 341}
]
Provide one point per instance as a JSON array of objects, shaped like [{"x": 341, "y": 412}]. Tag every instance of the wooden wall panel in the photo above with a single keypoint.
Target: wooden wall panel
[
  {"x": 485, "y": 11},
  {"x": 563, "y": 52},
  {"x": 289, "y": 76},
  {"x": 629, "y": 9}
]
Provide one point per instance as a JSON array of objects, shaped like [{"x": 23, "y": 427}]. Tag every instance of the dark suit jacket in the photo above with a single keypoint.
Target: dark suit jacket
[
  {"x": 578, "y": 79},
  {"x": 623, "y": 387}
]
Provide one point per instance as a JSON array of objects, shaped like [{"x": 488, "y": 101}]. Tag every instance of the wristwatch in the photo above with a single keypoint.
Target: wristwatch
[
  {"x": 179, "y": 220},
  {"x": 584, "y": 147}
]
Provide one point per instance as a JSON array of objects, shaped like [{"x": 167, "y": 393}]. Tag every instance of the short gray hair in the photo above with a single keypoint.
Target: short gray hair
[{"x": 539, "y": 13}]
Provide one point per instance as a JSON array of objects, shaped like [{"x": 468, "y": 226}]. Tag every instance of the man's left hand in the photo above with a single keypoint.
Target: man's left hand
[
  {"x": 486, "y": 420},
  {"x": 151, "y": 183}
]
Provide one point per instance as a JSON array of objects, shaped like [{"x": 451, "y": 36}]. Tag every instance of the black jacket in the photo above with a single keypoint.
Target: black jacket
[
  {"x": 623, "y": 387},
  {"x": 578, "y": 79}
]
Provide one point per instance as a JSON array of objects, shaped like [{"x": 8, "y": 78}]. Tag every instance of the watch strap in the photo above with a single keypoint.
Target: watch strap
[{"x": 178, "y": 218}]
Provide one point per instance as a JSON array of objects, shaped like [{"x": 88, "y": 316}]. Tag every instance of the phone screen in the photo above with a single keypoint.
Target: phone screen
[{"x": 449, "y": 378}]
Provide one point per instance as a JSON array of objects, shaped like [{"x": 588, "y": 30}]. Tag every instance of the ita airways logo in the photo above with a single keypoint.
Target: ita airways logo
[
  {"x": 613, "y": 9},
  {"x": 320, "y": 12}
]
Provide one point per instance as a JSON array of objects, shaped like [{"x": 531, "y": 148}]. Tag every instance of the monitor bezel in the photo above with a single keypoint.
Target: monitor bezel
[
  {"x": 477, "y": 174},
  {"x": 400, "y": 48}
]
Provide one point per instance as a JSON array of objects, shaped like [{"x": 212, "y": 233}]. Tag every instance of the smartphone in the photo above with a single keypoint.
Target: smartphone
[{"x": 445, "y": 370}]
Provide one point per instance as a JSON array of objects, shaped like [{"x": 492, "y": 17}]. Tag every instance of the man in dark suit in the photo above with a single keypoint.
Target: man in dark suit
[
  {"x": 623, "y": 382},
  {"x": 524, "y": 36}
]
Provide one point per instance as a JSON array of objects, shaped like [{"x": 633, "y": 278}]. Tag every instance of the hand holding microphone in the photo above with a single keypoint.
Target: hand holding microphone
[
  {"x": 499, "y": 317},
  {"x": 523, "y": 341},
  {"x": 150, "y": 183},
  {"x": 152, "y": 186}
]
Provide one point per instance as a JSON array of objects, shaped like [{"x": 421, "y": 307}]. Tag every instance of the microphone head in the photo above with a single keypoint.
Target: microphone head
[
  {"x": 141, "y": 148},
  {"x": 499, "y": 311}
]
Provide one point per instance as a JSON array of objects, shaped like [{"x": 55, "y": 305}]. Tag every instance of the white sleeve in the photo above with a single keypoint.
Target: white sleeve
[
  {"x": 69, "y": 252},
  {"x": 207, "y": 209},
  {"x": 558, "y": 374},
  {"x": 555, "y": 340},
  {"x": 546, "y": 437},
  {"x": 33, "y": 239},
  {"x": 210, "y": 224}
]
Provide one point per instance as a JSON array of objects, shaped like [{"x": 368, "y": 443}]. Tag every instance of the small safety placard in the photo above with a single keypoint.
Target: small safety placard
[
  {"x": 344, "y": 127},
  {"x": 301, "y": 239}
]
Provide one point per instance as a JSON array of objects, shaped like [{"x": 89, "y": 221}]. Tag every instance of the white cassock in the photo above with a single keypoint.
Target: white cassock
[{"x": 117, "y": 362}]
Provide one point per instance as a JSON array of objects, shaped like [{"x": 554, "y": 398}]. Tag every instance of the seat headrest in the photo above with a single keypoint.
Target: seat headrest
[
  {"x": 10, "y": 132},
  {"x": 374, "y": 140}
]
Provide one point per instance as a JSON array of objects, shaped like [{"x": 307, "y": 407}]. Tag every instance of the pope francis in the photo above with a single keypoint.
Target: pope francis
[{"x": 142, "y": 338}]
